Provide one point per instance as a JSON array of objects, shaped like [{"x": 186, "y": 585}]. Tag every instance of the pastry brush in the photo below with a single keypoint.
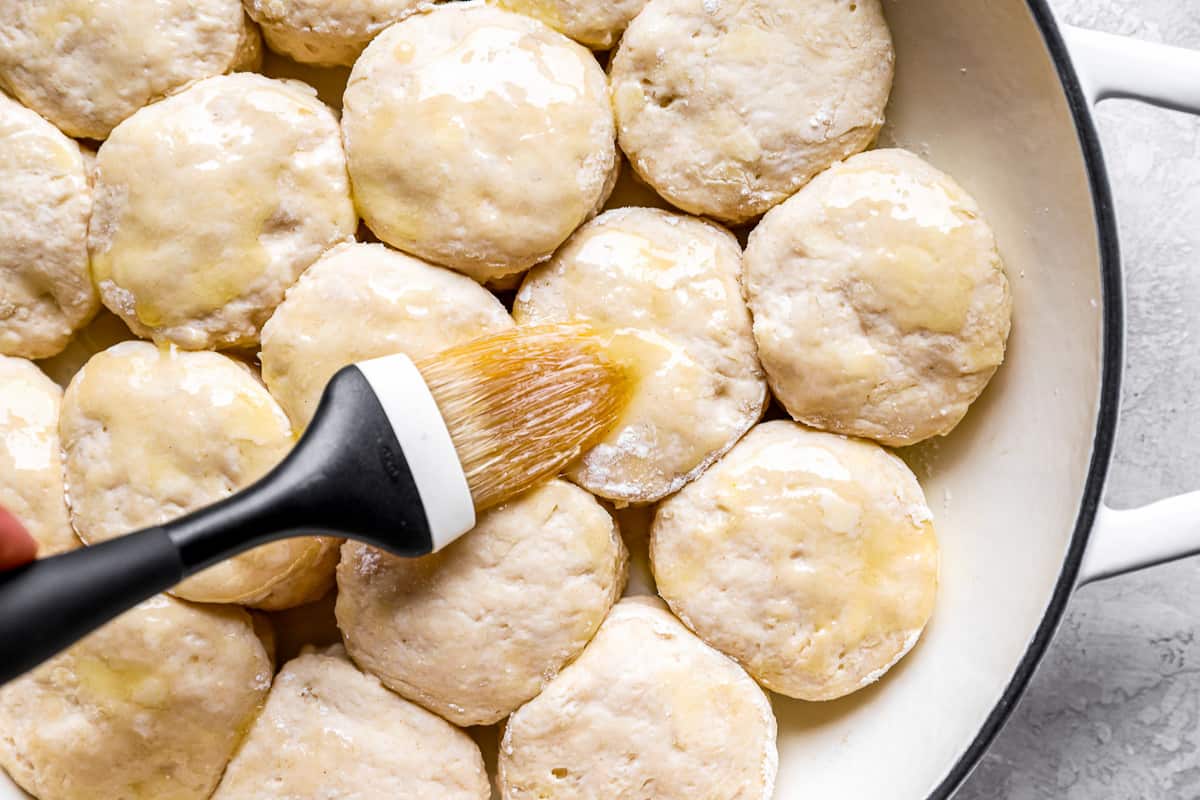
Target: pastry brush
[{"x": 399, "y": 454}]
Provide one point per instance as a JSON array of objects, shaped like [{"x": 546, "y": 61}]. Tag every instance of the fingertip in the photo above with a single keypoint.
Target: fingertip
[{"x": 17, "y": 546}]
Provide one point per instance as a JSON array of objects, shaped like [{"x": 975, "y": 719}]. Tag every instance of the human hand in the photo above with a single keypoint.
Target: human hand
[{"x": 17, "y": 547}]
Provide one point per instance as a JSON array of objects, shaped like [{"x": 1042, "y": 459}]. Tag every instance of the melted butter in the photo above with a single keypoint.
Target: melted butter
[
  {"x": 501, "y": 62},
  {"x": 126, "y": 389},
  {"x": 914, "y": 250},
  {"x": 545, "y": 10},
  {"x": 30, "y": 150},
  {"x": 114, "y": 682},
  {"x": 50, "y": 17}
]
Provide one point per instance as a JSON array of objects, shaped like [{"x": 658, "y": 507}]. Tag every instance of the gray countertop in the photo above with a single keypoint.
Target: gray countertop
[{"x": 1114, "y": 710}]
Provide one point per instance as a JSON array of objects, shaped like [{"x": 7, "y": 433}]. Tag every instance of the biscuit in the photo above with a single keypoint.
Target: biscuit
[
  {"x": 211, "y": 203},
  {"x": 328, "y": 730},
  {"x": 727, "y": 107},
  {"x": 666, "y": 289},
  {"x": 151, "y": 434},
  {"x": 881, "y": 307},
  {"x": 152, "y": 705},
  {"x": 477, "y": 138},
  {"x": 46, "y": 293},
  {"x": 647, "y": 711},
  {"x": 807, "y": 557},
  {"x": 474, "y": 631},
  {"x": 88, "y": 66}
]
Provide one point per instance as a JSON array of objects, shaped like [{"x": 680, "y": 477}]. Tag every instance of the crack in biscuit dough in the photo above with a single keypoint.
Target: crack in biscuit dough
[
  {"x": 152, "y": 433},
  {"x": 665, "y": 291},
  {"x": 326, "y": 32},
  {"x": 211, "y": 203},
  {"x": 595, "y": 25},
  {"x": 477, "y": 138},
  {"x": 31, "y": 469},
  {"x": 362, "y": 301},
  {"x": 808, "y": 557},
  {"x": 727, "y": 107},
  {"x": 46, "y": 293},
  {"x": 328, "y": 730},
  {"x": 149, "y": 707},
  {"x": 881, "y": 306},
  {"x": 476, "y": 630},
  {"x": 647, "y": 711},
  {"x": 87, "y": 65}
]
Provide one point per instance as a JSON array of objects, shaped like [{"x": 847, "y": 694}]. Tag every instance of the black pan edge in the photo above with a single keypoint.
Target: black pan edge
[{"x": 1110, "y": 392}]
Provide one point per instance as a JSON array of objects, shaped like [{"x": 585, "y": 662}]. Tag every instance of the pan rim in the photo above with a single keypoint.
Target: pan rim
[{"x": 1112, "y": 346}]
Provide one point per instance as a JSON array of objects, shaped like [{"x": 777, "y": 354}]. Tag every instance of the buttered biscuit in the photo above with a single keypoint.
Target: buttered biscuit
[
  {"x": 45, "y": 290},
  {"x": 597, "y": 25},
  {"x": 808, "y": 557},
  {"x": 31, "y": 469},
  {"x": 151, "y": 434},
  {"x": 211, "y": 203},
  {"x": 478, "y": 138},
  {"x": 666, "y": 290},
  {"x": 326, "y": 32},
  {"x": 881, "y": 307},
  {"x": 86, "y": 66},
  {"x": 474, "y": 631},
  {"x": 361, "y": 301},
  {"x": 727, "y": 107},
  {"x": 152, "y": 705}
]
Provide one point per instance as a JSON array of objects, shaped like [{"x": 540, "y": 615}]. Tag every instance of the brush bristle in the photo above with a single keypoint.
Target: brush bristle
[{"x": 523, "y": 404}]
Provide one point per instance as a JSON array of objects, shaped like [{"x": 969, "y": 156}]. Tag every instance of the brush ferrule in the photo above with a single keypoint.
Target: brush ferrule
[{"x": 425, "y": 440}]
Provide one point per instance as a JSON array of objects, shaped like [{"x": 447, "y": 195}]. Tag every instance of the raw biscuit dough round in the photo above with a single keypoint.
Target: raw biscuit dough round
[
  {"x": 46, "y": 292},
  {"x": 728, "y": 107},
  {"x": 361, "y": 301},
  {"x": 152, "y": 705},
  {"x": 86, "y": 66},
  {"x": 326, "y": 32},
  {"x": 667, "y": 288},
  {"x": 151, "y": 433},
  {"x": 808, "y": 557},
  {"x": 648, "y": 710},
  {"x": 881, "y": 307},
  {"x": 31, "y": 469},
  {"x": 595, "y": 25},
  {"x": 474, "y": 631},
  {"x": 478, "y": 138},
  {"x": 328, "y": 730},
  {"x": 211, "y": 203}
]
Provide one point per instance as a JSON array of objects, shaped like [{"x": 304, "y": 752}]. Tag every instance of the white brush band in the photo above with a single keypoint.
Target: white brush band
[{"x": 425, "y": 440}]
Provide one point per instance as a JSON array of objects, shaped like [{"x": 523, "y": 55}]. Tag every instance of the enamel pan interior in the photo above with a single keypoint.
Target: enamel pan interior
[{"x": 985, "y": 91}]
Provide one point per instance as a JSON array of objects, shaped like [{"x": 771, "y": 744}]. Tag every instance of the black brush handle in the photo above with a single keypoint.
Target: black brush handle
[
  {"x": 347, "y": 476},
  {"x": 50, "y": 604}
]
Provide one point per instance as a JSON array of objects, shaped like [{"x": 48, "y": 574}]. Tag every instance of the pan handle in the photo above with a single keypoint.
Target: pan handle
[{"x": 1111, "y": 66}]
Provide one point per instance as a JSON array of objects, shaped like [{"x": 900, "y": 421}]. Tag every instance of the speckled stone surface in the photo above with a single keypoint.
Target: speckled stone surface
[{"x": 1114, "y": 711}]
